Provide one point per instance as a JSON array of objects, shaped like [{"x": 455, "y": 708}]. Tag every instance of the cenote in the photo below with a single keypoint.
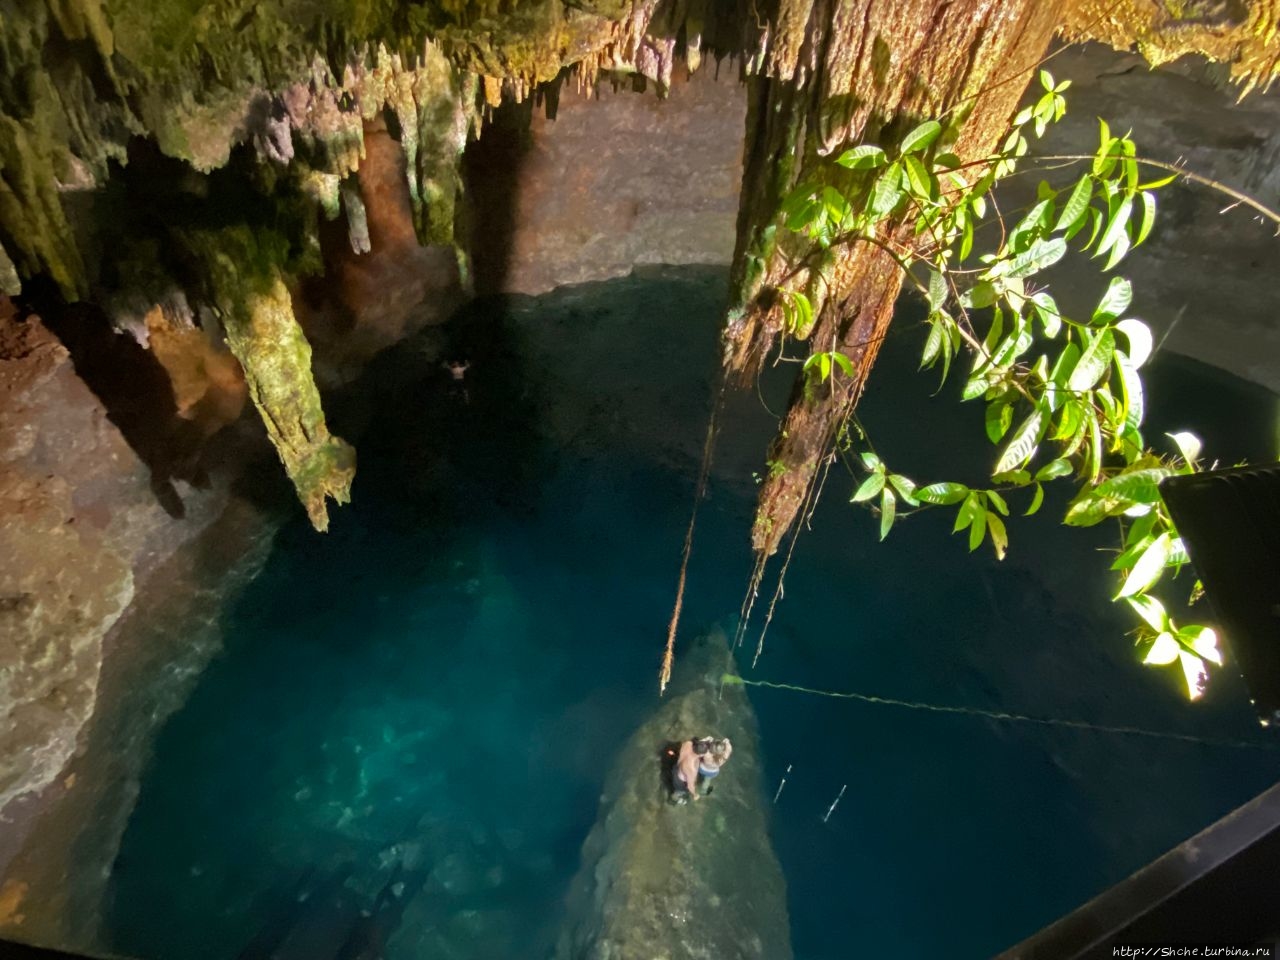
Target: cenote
[
  {"x": 388, "y": 390},
  {"x": 432, "y": 694}
]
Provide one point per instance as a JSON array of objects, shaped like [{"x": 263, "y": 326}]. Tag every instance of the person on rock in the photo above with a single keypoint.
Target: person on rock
[{"x": 698, "y": 762}]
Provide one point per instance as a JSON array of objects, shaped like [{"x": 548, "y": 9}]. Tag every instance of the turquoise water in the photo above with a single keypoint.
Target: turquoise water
[{"x": 419, "y": 708}]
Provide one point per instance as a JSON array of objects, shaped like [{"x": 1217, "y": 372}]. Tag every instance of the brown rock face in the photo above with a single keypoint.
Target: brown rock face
[
  {"x": 79, "y": 522},
  {"x": 61, "y": 587},
  {"x": 617, "y": 179}
]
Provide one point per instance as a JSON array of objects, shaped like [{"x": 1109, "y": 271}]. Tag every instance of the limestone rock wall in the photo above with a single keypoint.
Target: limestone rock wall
[
  {"x": 80, "y": 523},
  {"x": 617, "y": 180}
]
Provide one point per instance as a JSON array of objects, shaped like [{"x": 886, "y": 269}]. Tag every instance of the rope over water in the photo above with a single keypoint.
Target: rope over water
[
  {"x": 708, "y": 447},
  {"x": 1009, "y": 717}
]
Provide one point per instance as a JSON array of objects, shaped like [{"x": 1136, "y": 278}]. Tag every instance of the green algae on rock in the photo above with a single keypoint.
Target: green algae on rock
[{"x": 247, "y": 287}]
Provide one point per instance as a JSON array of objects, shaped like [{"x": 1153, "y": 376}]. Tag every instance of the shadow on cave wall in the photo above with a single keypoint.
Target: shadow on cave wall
[
  {"x": 137, "y": 394},
  {"x": 491, "y": 171}
]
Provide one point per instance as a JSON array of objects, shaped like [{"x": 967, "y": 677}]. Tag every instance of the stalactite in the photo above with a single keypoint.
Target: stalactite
[
  {"x": 357, "y": 220},
  {"x": 1162, "y": 32},
  {"x": 10, "y": 282},
  {"x": 245, "y": 284}
]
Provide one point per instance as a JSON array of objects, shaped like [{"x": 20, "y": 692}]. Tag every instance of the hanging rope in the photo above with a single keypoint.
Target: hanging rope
[
  {"x": 1008, "y": 717},
  {"x": 704, "y": 474}
]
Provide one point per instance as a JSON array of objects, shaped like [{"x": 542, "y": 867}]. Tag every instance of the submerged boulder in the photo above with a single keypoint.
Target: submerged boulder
[{"x": 697, "y": 881}]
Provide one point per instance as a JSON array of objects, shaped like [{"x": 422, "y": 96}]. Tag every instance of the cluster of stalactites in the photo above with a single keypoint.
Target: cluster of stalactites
[
  {"x": 318, "y": 125},
  {"x": 1246, "y": 37}
]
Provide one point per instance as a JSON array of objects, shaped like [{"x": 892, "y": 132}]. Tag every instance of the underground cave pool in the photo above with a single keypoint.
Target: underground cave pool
[{"x": 432, "y": 693}]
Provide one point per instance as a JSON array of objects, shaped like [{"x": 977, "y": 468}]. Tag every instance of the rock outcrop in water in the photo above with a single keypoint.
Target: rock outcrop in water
[{"x": 697, "y": 881}]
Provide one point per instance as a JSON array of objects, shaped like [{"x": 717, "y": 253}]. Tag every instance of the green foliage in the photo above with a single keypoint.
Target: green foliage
[{"x": 1064, "y": 397}]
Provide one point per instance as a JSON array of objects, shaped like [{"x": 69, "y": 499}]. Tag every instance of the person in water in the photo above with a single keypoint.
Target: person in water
[
  {"x": 457, "y": 378},
  {"x": 699, "y": 761}
]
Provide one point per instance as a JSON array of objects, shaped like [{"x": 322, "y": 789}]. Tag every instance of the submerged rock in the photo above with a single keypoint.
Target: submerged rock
[{"x": 691, "y": 882}]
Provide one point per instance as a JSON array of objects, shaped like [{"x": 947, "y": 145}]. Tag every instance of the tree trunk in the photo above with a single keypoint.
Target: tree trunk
[{"x": 834, "y": 74}]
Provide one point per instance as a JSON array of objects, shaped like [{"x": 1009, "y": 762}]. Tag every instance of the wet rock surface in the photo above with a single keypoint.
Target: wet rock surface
[{"x": 695, "y": 881}]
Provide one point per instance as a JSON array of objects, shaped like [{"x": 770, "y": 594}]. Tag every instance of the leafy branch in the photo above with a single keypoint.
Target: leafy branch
[{"x": 1064, "y": 397}]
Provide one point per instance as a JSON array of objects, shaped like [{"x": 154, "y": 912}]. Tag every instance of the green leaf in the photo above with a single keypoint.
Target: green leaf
[
  {"x": 1194, "y": 672},
  {"x": 1046, "y": 80},
  {"x": 999, "y": 418},
  {"x": 1096, "y": 220},
  {"x": 865, "y": 156},
  {"x": 905, "y": 487},
  {"x": 920, "y": 138},
  {"x": 932, "y": 345},
  {"x": 1094, "y": 362},
  {"x": 978, "y": 529},
  {"x": 997, "y": 501},
  {"x": 1188, "y": 446},
  {"x": 1013, "y": 478},
  {"x": 937, "y": 290},
  {"x": 1022, "y": 446},
  {"x": 966, "y": 240},
  {"x": 1054, "y": 469},
  {"x": 944, "y": 493},
  {"x": 843, "y": 362},
  {"x": 1041, "y": 254},
  {"x": 1151, "y": 610},
  {"x": 1047, "y": 309},
  {"x": 1135, "y": 486},
  {"x": 1139, "y": 336},
  {"x": 821, "y": 362},
  {"x": 981, "y": 294},
  {"x": 1118, "y": 251},
  {"x": 871, "y": 487},
  {"x": 1164, "y": 651},
  {"x": 1036, "y": 500},
  {"x": 888, "y": 510},
  {"x": 1094, "y": 463},
  {"x": 1115, "y": 301},
  {"x": 1202, "y": 640},
  {"x": 923, "y": 186},
  {"x": 871, "y": 461},
  {"x": 975, "y": 387},
  {"x": 1102, "y": 160},
  {"x": 1116, "y": 227},
  {"x": 886, "y": 193},
  {"x": 1148, "y": 568},
  {"x": 999, "y": 538},
  {"x": 966, "y": 513},
  {"x": 1131, "y": 392},
  {"x": 1148, "y": 217},
  {"x": 1073, "y": 213},
  {"x": 1087, "y": 509}
]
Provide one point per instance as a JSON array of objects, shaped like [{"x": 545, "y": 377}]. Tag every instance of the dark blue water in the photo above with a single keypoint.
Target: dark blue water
[{"x": 430, "y": 694}]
